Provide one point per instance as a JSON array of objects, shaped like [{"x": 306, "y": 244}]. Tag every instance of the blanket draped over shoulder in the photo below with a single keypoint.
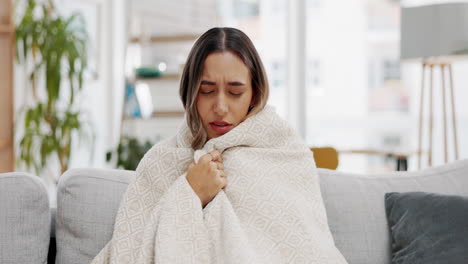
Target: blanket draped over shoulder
[{"x": 271, "y": 210}]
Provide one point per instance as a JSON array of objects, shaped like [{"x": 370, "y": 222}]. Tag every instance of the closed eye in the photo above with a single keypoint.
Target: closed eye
[
  {"x": 236, "y": 94},
  {"x": 206, "y": 83},
  {"x": 206, "y": 92}
]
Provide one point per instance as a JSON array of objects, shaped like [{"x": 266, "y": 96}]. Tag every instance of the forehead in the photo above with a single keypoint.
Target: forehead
[{"x": 224, "y": 65}]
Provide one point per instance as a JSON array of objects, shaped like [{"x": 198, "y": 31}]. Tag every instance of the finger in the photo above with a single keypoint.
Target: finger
[
  {"x": 213, "y": 165},
  {"x": 216, "y": 155},
  {"x": 223, "y": 182},
  {"x": 220, "y": 157},
  {"x": 220, "y": 165},
  {"x": 222, "y": 174},
  {"x": 206, "y": 158},
  {"x": 192, "y": 165}
]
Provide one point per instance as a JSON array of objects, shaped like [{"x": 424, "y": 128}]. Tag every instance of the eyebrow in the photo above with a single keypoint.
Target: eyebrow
[{"x": 205, "y": 82}]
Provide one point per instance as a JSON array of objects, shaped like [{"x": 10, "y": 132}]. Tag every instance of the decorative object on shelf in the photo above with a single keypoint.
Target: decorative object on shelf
[
  {"x": 435, "y": 36},
  {"x": 145, "y": 100},
  {"x": 131, "y": 105},
  {"x": 129, "y": 152},
  {"x": 148, "y": 72},
  {"x": 163, "y": 77},
  {"x": 57, "y": 48}
]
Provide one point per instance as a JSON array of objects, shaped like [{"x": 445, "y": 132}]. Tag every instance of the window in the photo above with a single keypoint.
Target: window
[
  {"x": 313, "y": 75},
  {"x": 391, "y": 70},
  {"x": 354, "y": 89}
]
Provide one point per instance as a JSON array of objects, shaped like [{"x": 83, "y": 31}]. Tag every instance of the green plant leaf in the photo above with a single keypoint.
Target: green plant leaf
[
  {"x": 129, "y": 152},
  {"x": 57, "y": 47}
]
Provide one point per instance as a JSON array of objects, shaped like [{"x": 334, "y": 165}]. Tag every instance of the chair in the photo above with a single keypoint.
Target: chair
[{"x": 325, "y": 157}]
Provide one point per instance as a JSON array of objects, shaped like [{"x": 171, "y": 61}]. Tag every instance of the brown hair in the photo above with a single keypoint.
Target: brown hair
[{"x": 219, "y": 40}]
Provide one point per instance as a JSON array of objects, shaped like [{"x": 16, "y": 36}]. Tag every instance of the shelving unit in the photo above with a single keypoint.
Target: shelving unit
[
  {"x": 4, "y": 143},
  {"x": 6, "y": 29},
  {"x": 168, "y": 111},
  {"x": 165, "y": 95},
  {"x": 7, "y": 32}
]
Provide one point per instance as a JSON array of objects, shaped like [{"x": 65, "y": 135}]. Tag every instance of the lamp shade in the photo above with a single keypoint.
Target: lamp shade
[{"x": 434, "y": 31}]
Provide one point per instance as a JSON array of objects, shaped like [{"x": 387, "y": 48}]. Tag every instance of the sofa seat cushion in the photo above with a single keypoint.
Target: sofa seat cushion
[
  {"x": 428, "y": 228},
  {"x": 24, "y": 219}
]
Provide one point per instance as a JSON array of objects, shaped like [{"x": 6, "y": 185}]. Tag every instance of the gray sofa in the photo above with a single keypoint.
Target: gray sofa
[{"x": 88, "y": 199}]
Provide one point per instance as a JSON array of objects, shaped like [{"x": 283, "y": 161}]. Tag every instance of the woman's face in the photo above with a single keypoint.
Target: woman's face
[{"x": 225, "y": 93}]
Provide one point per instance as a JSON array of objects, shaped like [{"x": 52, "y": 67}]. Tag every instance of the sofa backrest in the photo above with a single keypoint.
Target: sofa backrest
[
  {"x": 87, "y": 203},
  {"x": 24, "y": 219},
  {"x": 88, "y": 200},
  {"x": 356, "y": 210}
]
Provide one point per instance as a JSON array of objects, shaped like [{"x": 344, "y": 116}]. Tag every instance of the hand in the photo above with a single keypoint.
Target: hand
[{"x": 207, "y": 178}]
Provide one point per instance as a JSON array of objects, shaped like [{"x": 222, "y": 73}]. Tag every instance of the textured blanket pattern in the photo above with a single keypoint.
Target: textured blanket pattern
[{"x": 271, "y": 210}]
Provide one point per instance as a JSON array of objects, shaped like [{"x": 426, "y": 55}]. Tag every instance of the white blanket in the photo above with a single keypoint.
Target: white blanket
[{"x": 271, "y": 210}]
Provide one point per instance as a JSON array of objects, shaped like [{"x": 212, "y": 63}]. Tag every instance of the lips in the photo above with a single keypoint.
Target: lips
[{"x": 220, "y": 126}]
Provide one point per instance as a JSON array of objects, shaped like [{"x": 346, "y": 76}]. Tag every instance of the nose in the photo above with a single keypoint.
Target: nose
[{"x": 220, "y": 107}]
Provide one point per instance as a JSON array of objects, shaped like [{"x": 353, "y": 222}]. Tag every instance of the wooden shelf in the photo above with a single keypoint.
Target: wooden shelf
[
  {"x": 173, "y": 77},
  {"x": 6, "y": 29},
  {"x": 168, "y": 114},
  {"x": 160, "y": 114},
  {"x": 164, "y": 39}
]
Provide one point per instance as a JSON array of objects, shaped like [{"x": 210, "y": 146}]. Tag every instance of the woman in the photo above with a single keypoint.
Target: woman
[
  {"x": 219, "y": 90},
  {"x": 235, "y": 185}
]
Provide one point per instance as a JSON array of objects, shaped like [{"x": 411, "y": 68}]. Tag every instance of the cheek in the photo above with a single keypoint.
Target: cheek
[
  {"x": 246, "y": 103},
  {"x": 243, "y": 107},
  {"x": 249, "y": 100},
  {"x": 202, "y": 106}
]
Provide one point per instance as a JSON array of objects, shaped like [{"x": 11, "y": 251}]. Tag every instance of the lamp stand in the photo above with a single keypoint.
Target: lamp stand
[{"x": 444, "y": 66}]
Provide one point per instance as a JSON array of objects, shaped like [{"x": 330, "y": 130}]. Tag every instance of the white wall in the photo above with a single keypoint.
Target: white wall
[{"x": 103, "y": 96}]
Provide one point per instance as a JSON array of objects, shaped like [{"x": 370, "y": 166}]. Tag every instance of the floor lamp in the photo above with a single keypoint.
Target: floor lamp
[
  {"x": 445, "y": 67},
  {"x": 435, "y": 35}
]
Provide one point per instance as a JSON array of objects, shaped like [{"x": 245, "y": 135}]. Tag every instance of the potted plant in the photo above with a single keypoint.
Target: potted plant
[
  {"x": 129, "y": 152},
  {"x": 54, "y": 49}
]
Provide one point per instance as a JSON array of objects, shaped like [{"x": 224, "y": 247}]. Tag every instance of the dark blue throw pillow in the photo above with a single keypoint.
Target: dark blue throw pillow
[{"x": 428, "y": 228}]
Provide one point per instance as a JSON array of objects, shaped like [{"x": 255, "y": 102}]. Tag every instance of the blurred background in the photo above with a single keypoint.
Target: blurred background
[{"x": 335, "y": 70}]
